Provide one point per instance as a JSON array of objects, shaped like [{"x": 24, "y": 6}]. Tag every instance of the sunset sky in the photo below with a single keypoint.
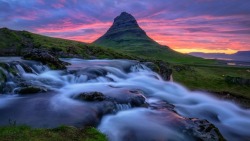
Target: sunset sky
[{"x": 184, "y": 25}]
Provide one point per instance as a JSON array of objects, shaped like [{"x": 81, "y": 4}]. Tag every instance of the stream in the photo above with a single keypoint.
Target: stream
[{"x": 125, "y": 100}]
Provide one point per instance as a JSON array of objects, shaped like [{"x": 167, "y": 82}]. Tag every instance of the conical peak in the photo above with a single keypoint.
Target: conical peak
[
  {"x": 124, "y": 21},
  {"x": 125, "y": 17}
]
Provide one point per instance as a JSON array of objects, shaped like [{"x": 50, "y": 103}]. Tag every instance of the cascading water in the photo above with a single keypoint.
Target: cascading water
[{"x": 133, "y": 102}]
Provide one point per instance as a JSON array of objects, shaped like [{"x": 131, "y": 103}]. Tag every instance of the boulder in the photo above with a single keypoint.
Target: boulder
[
  {"x": 46, "y": 58},
  {"x": 30, "y": 90},
  {"x": 91, "y": 96},
  {"x": 135, "y": 100}
]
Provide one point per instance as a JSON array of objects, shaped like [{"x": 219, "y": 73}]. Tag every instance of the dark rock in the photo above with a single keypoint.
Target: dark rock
[
  {"x": 152, "y": 66},
  {"x": 46, "y": 58},
  {"x": 30, "y": 90},
  {"x": 26, "y": 68},
  {"x": 107, "y": 107},
  {"x": 91, "y": 96},
  {"x": 203, "y": 130},
  {"x": 125, "y": 20},
  {"x": 93, "y": 73},
  {"x": 161, "y": 68},
  {"x": 137, "y": 100},
  {"x": 3, "y": 79}
]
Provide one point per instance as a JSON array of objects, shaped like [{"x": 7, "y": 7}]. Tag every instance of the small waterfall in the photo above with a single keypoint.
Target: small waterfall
[
  {"x": 20, "y": 69},
  {"x": 121, "y": 107},
  {"x": 139, "y": 68},
  {"x": 40, "y": 68}
]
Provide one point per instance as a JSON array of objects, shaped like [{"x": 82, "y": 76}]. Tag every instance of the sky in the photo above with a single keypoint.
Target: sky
[{"x": 210, "y": 26}]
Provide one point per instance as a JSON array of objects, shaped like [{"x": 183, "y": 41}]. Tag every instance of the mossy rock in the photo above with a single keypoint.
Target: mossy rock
[{"x": 46, "y": 58}]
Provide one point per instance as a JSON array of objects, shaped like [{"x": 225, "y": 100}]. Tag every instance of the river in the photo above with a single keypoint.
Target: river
[{"x": 136, "y": 104}]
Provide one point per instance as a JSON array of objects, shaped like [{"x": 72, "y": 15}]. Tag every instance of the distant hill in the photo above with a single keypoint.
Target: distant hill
[
  {"x": 238, "y": 56},
  {"x": 126, "y": 35},
  {"x": 13, "y": 42}
]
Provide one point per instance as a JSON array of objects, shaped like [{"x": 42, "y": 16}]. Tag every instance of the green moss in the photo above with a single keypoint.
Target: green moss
[{"x": 63, "y": 133}]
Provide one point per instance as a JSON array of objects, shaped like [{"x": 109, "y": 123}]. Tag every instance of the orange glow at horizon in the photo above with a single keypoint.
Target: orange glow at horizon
[{"x": 227, "y": 51}]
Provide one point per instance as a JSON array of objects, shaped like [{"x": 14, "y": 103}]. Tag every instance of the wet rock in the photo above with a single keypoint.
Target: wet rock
[
  {"x": 93, "y": 73},
  {"x": 107, "y": 107},
  {"x": 30, "y": 90},
  {"x": 203, "y": 130},
  {"x": 137, "y": 100},
  {"x": 91, "y": 96},
  {"x": 2, "y": 81},
  {"x": 26, "y": 68},
  {"x": 161, "y": 68},
  {"x": 46, "y": 58}
]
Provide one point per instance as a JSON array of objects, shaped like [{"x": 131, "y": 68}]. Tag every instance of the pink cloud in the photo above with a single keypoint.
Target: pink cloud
[{"x": 68, "y": 26}]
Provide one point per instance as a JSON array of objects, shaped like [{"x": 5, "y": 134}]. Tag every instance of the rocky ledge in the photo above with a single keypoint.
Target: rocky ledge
[{"x": 46, "y": 58}]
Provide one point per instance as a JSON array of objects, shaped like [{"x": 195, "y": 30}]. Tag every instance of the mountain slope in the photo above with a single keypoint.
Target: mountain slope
[
  {"x": 14, "y": 43},
  {"x": 126, "y": 35}
]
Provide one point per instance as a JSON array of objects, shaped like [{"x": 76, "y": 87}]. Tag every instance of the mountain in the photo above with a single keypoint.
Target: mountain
[
  {"x": 238, "y": 56},
  {"x": 126, "y": 35},
  {"x": 13, "y": 43},
  {"x": 125, "y": 30}
]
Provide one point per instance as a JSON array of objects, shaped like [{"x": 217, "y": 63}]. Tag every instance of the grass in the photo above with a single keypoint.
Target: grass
[
  {"x": 63, "y": 133},
  {"x": 212, "y": 78}
]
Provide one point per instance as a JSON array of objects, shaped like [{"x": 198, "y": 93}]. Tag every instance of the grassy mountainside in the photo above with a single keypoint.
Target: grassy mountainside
[
  {"x": 126, "y": 35},
  {"x": 19, "y": 42}
]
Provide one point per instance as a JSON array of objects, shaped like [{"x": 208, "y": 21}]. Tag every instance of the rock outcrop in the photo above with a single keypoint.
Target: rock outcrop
[{"x": 46, "y": 58}]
